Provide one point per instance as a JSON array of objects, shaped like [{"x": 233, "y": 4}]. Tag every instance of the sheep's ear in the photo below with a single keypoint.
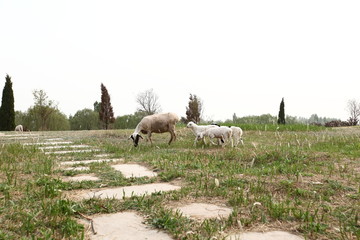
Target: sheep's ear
[
  {"x": 131, "y": 136},
  {"x": 140, "y": 136}
]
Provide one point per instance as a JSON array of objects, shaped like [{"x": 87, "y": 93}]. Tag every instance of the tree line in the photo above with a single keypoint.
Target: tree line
[{"x": 44, "y": 115}]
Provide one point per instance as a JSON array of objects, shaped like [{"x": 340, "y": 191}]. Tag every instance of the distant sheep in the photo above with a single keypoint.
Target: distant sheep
[
  {"x": 237, "y": 135},
  {"x": 197, "y": 129},
  {"x": 157, "y": 123},
  {"x": 222, "y": 133},
  {"x": 19, "y": 128}
]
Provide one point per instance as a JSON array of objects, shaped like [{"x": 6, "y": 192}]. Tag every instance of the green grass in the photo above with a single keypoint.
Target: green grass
[{"x": 296, "y": 177}]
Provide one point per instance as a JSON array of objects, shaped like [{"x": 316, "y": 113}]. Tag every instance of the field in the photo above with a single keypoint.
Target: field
[{"x": 301, "y": 180}]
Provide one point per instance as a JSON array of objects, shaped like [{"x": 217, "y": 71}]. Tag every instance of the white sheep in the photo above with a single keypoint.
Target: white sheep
[
  {"x": 222, "y": 133},
  {"x": 197, "y": 129},
  {"x": 156, "y": 123},
  {"x": 237, "y": 135},
  {"x": 19, "y": 128}
]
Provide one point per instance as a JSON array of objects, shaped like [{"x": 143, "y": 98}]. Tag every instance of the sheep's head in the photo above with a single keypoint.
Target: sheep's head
[
  {"x": 190, "y": 125},
  {"x": 135, "y": 138}
]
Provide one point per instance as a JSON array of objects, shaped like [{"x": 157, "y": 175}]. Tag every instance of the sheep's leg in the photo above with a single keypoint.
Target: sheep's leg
[
  {"x": 149, "y": 137},
  {"x": 211, "y": 141},
  {"x": 196, "y": 139},
  {"x": 171, "y": 136}
]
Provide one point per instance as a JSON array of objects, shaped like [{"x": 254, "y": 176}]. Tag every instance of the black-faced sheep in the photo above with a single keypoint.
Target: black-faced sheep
[{"x": 157, "y": 123}]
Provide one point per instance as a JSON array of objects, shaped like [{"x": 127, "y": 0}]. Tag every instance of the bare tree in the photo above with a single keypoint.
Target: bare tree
[
  {"x": 353, "y": 108},
  {"x": 148, "y": 102}
]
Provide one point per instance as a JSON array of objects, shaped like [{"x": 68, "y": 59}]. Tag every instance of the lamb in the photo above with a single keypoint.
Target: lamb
[
  {"x": 222, "y": 133},
  {"x": 237, "y": 135},
  {"x": 156, "y": 123},
  {"x": 197, "y": 129},
  {"x": 19, "y": 128}
]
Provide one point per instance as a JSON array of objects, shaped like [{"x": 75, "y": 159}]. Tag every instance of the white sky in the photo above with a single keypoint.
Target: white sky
[{"x": 238, "y": 56}]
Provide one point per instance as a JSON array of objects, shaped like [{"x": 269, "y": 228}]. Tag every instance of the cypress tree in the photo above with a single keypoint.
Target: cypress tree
[
  {"x": 7, "y": 112},
  {"x": 106, "y": 113},
  {"x": 281, "y": 118},
  {"x": 193, "y": 111}
]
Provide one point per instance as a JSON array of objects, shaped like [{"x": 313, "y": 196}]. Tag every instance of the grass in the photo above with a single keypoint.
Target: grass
[{"x": 300, "y": 178}]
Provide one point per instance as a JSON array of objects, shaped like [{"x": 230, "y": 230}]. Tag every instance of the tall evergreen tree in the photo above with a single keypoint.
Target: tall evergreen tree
[
  {"x": 7, "y": 111},
  {"x": 281, "y": 118},
  {"x": 106, "y": 113},
  {"x": 193, "y": 111}
]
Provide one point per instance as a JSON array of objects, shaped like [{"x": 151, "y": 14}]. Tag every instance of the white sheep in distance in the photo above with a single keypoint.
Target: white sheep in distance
[
  {"x": 19, "y": 128},
  {"x": 156, "y": 123},
  {"x": 222, "y": 133},
  {"x": 197, "y": 129},
  {"x": 237, "y": 135}
]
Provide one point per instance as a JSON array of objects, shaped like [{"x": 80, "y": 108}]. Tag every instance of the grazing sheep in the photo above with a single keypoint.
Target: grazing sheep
[
  {"x": 197, "y": 129},
  {"x": 19, "y": 128},
  {"x": 157, "y": 123},
  {"x": 222, "y": 133},
  {"x": 237, "y": 135}
]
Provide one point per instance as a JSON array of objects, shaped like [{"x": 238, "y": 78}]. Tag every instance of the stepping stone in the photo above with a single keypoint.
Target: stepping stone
[
  {"x": 128, "y": 191},
  {"x": 81, "y": 178},
  {"x": 134, "y": 170},
  {"x": 203, "y": 211},
  {"x": 77, "y": 169},
  {"x": 60, "y": 146},
  {"x": 123, "y": 226},
  {"x": 73, "y": 151},
  {"x": 54, "y": 139},
  {"x": 105, "y": 155},
  {"x": 274, "y": 235},
  {"x": 91, "y": 161},
  {"x": 47, "y": 143}
]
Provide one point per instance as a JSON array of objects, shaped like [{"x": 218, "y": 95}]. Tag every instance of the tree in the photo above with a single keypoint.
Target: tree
[
  {"x": 85, "y": 119},
  {"x": 281, "y": 118},
  {"x": 106, "y": 113},
  {"x": 96, "y": 106},
  {"x": 42, "y": 110},
  {"x": 193, "y": 111},
  {"x": 7, "y": 112},
  {"x": 354, "y": 111},
  {"x": 148, "y": 102}
]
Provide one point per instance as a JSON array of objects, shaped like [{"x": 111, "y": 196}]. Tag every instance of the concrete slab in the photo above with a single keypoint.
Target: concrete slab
[
  {"x": 47, "y": 143},
  {"x": 274, "y": 235},
  {"x": 80, "y": 178},
  {"x": 73, "y": 151},
  {"x": 63, "y": 146},
  {"x": 77, "y": 169},
  {"x": 128, "y": 191},
  {"x": 123, "y": 226},
  {"x": 90, "y": 161},
  {"x": 134, "y": 170},
  {"x": 201, "y": 211}
]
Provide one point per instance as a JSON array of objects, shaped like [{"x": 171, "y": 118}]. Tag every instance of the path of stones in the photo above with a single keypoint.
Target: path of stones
[{"x": 111, "y": 226}]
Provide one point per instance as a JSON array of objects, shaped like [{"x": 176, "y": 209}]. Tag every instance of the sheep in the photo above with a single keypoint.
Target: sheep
[
  {"x": 197, "y": 129},
  {"x": 237, "y": 135},
  {"x": 19, "y": 128},
  {"x": 156, "y": 123},
  {"x": 222, "y": 133}
]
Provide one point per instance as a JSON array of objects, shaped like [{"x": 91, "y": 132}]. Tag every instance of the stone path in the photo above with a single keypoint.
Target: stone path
[
  {"x": 129, "y": 225},
  {"x": 134, "y": 170},
  {"x": 123, "y": 226},
  {"x": 128, "y": 191}
]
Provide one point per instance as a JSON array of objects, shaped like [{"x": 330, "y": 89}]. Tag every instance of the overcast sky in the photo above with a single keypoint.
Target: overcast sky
[{"x": 239, "y": 57}]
